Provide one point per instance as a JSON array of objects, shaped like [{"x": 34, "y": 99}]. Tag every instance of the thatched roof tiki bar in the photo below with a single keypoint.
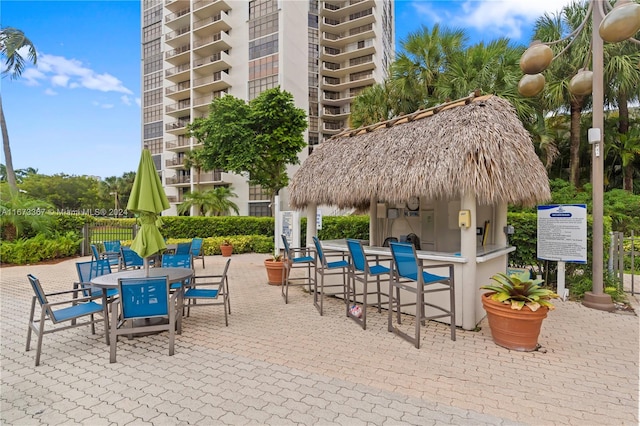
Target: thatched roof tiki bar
[{"x": 471, "y": 155}]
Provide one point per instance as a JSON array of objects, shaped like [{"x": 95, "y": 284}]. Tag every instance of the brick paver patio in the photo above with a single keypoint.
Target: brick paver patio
[{"x": 284, "y": 364}]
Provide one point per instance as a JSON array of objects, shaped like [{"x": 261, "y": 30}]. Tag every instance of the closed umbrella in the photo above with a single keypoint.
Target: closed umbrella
[{"x": 147, "y": 201}]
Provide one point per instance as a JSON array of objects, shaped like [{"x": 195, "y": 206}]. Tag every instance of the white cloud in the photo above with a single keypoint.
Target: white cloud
[
  {"x": 60, "y": 80},
  {"x": 73, "y": 74},
  {"x": 125, "y": 99},
  {"x": 138, "y": 102},
  {"x": 31, "y": 76},
  {"x": 506, "y": 18},
  {"x": 50, "y": 92}
]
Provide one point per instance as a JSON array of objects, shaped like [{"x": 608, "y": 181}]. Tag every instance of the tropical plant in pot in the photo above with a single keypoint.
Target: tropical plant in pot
[
  {"x": 516, "y": 304},
  {"x": 275, "y": 269}
]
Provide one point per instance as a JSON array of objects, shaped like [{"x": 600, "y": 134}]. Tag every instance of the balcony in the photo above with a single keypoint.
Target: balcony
[
  {"x": 202, "y": 103},
  {"x": 173, "y": 17},
  {"x": 178, "y": 127},
  {"x": 209, "y": 64},
  {"x": 175, "y": 53},
  {"x": 178, "y": 180},
  {"x": 212, "y": 83},
  {"x": 210, "y": 7},
  {"x": 343, "y": 20},
  {"x": 212, "y": 24},
  {"x": 178, "y": 107},
  {"x": 178, "y": 36},
  {"x": 178, "y": 90},
  {"x": 181, "y": 143},
  {"x": 211, "y": 177},
  {"x": 211, "y": 44},
  {"x": 352, "y": 35},
  {"x": 178, "y": 73},
  {"x": 174, "y": 162}
]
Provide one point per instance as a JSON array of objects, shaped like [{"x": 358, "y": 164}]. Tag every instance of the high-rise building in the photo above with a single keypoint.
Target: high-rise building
[{"x": 323, "y": 52}]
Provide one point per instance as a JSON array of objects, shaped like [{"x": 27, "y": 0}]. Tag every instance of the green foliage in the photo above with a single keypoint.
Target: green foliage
[
  {"x": 519, "y": 290},
  {"x": 215, "y": 226},
  {"x": 23, "y": 216},
  {"x": 212, "y": 202},
  {"x": 39, "y": 248},
  {"x": 259, "y": 138},
  {"x": 240, "y": 243}
]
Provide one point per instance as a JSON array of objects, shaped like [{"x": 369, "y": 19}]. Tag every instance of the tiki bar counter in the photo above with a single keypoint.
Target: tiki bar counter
[{"x": 442, "y": 177}]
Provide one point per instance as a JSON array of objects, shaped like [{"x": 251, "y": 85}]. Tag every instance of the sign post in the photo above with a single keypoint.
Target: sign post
[{"x": 562, "y": 237}]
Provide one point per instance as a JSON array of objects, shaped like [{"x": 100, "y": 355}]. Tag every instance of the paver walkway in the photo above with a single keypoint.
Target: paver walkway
[{"x": 284, "y": 364}]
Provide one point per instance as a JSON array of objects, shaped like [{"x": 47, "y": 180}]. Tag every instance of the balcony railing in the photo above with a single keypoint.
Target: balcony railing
[
  {"x": 185, "y": 85},
  {"x": 216, "y": 76},
  {"x": 207, "y": 40},
  {"x": 207, "y": 21},
  {"x": 177, "y": 14},
  {"x": 176, "y": 180},
  {"x": 184, "y": 104},
  {"x": 177, "y": 51},
  {"x": 208, "y": 59},
  {"x": 175, "y": 70},
  {"x": 175, "y": 143},
  {"x": 177, "y": 33},
  {"x": 176, "y": 124}
]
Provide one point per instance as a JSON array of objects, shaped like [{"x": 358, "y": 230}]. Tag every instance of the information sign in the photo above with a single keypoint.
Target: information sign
[{"x": 562, "y": 233}]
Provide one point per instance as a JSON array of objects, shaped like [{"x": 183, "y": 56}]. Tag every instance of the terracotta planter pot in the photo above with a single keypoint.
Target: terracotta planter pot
[
  {"x": 513, "y": 329},
  {"x": 226, "y": 250},
  {"x": 275, "y": 271}
]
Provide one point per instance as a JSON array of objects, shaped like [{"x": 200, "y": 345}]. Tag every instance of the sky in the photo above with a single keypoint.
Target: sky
[{"x": 78, "y": 111}]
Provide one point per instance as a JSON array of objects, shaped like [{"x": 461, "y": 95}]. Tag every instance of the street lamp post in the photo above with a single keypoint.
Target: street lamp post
[{"x": 621, "y": 23}]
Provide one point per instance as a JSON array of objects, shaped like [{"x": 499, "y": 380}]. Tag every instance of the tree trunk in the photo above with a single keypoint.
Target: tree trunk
[
  {"x": 11, "y": 174},
  {"x": 574, "y": 152}
]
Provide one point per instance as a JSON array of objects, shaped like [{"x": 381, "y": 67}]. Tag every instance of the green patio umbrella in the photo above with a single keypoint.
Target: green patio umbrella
[{"x": 147, "y": 201}]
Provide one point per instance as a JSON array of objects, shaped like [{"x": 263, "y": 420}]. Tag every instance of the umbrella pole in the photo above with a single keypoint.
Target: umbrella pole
[{"x": 146, "y": 266}]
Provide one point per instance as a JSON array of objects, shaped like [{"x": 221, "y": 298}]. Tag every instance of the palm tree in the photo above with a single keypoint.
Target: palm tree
[
  {"x": 371, "y": 106},
  {"x": 22, "y": 213},
  {"x": 625, "y": 148},
  {"x": 212, "y": 202},
  {"x": 491, "y": 68},
  {"x": 222, "y": 205},
  {"x": 556, "y": 96},
  {"x": 425, "y": 56},
  {"x": 12, "y": 40},
  {"x": 195, "y": 159}
]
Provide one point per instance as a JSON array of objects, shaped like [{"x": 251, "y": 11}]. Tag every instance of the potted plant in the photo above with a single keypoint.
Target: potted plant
[
  {"x": 226, "y": 248},
  {"x": 516, "y": 305},
  {"x": 275, "y": 269}
]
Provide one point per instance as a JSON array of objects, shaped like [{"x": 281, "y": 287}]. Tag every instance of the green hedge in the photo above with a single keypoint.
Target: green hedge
[{"x": 255, "y": 234}]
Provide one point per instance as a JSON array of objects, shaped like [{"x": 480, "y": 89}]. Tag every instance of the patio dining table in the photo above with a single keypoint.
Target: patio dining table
[{"x": 174, "y": 275}]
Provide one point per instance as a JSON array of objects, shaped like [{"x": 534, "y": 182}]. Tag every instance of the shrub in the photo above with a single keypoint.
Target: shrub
[{"x": 39, "y": 248}]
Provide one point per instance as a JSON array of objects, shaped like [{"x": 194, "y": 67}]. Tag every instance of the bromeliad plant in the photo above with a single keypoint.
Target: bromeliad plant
[{"x": 520, "y": 290}]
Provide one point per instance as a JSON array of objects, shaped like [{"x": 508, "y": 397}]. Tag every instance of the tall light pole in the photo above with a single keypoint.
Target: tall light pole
[{"x": 620, "y": 23}]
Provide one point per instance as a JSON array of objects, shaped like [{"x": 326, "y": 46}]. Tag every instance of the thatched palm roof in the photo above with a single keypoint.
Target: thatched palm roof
[{"x": 474, "y": 145}]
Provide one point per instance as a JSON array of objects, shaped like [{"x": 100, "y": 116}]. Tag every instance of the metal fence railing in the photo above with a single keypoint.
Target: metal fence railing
[
  {"x": 97, "y": 233},
  {"x": 623, "y": 256}
]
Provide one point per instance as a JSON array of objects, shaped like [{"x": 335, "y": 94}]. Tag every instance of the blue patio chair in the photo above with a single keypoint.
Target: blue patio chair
[
  {"x": 297, "y": 258},
  {"x": 87, "y": 271},
  {"x": 209, "y": 290},
  {"x": 183, "y": 248},
  {"x": 196, "y": 250},
  {"x": 71, "y": 309},
  {"x": 410, "y": 274},
  {"x": 130, "y": 259},
  {"x": 114, "y": 259},
  {"x": 363, "y": 271},
  {"x": 112, "y": 251},
  {"x": 177, "y": 261},
  {"x": 142, "y": 302},
  {"x": 339, "y": 266}
]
